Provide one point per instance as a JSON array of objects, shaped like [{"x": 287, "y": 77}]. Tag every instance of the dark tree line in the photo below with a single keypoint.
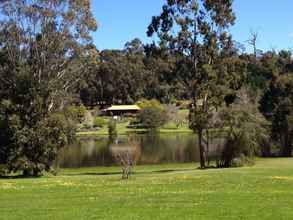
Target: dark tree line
[
  {"x": 126, "y": 76},
  {"x": 155, "y": 72}
]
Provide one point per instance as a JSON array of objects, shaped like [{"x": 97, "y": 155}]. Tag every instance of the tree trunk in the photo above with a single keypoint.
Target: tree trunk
[
  {"x": 266, "y": 151},
  {"x": 287, "y": 146},
  {"x": 201, "y": 150},
  {"x": 208, "y": 146}
]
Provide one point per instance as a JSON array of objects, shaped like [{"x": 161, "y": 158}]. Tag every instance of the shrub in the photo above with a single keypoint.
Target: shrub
[
  {"x": 99, "y": 122},
  {"x": 112, "y": 131},
  {"x": 127, "y": 155},
  {"x": 3, "y": 170},
  {"x": 245, "y": 128},
  {"x": 32, "y": 150},
  {"x": 237, "y": 152},
  {"x": 135, "y": 123},
  {"x": 144, "y": 103},
  {"x": 87, "y": 126},
  {"x": 88, "y": 122},
  {"x": 76, "y": 113},
  {"x": 152, "y": 117}
]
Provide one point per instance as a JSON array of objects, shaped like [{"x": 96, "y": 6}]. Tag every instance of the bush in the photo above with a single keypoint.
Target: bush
[
  {"x": 32, "y": 150},
  {"x": 241, "y": 161},
  {"x": 76, "y": 113},
  {"x": 99, "y": 122},
  {"x": 3, "y": 170},
  {"x": 152, "y": 117},
  {"x": 144, "y": 103},
  {"x": 112, "y": 130},
  {"x": 127, "y": 155},
  {"x": 245, "y": 128},
  {"x": 237, "y": 152},
  {"x": 135, "y": 123},
  {"x": 88, "y": 122}
]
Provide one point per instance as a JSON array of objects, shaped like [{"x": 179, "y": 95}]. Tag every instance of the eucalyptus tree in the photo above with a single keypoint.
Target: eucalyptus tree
[
  {"x": 121, "y": 76},
  {"x": 116, "y": 76},
  {"x": 134, "y": 46},
  {"x": 45, "y": 45},
  {"x": 198, "y": 29},
  {"x": 160, "y": 77},
  {"x": 277, "y": 105},
  {"x": 252, "y": 41}
]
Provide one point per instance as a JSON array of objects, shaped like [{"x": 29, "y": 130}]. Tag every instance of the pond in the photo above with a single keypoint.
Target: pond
[{"x": 149, "y": 149}]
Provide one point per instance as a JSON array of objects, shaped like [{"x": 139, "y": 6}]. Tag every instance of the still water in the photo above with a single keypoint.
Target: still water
[{"x": 150, "y": 149}]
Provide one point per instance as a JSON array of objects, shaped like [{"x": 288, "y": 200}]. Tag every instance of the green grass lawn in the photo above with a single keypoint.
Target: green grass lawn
[{"x": 264, "y": 191}]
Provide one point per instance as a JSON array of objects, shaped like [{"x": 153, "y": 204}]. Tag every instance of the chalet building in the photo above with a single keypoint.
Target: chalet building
[{"x": 118, "y": 110}]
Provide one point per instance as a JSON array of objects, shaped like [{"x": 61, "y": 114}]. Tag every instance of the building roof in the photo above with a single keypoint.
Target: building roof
[{"x": 123, "y": 108}]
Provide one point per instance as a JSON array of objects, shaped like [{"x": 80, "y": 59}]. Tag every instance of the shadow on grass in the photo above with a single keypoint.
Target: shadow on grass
[
  {"x": 18, "y": 177},
  {"x": 93, "y": 174},
  {"x": 142, "y": 172},
  {"x": 134, "y": 173}
]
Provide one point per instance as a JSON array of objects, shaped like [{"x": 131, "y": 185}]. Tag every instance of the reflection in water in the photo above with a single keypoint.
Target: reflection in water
[{"x": 152, "y": 149}]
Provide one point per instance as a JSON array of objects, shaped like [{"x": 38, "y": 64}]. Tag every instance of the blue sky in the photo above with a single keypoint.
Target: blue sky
[{"x": 120, "y": 21}]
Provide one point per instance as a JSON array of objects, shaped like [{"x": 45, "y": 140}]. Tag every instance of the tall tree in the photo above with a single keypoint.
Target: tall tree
[
  {"x": 45, "y": 44},
  {"x": 161, "y": 78},
  {"x": 277, "y": 104},
  {"x": 197, "y": 29},
  {"x": 252, "y": 41}
]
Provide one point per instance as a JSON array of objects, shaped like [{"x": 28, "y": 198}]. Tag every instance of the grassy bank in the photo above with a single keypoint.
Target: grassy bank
[
  {"x": 154, "y": 192},
  {"x": 123, "y": 129}
]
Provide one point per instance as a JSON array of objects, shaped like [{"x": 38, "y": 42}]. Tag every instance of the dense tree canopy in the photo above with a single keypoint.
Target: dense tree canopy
[
  {"x": 197, "y": 30},
  {"x": 44, "y": 46}
]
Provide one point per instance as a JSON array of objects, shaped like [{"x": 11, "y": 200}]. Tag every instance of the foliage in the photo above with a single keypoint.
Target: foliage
[
  {"x": 173, "y": 116},
  {"x": 127, "y": 156},
  {"x": 117, "y": 76},
  {"x": 89, "y": 120},
  {"x": 152, "y": 117},
  {"x": 99, "y": 122},
  {"x": 277, "y": 105},
  {"x": 245, "y": 128},
  {"x": 44, "y": 48},
  {"x": 76, "y": 113},
  {"x": 34, "y": 149},
  {"x": 197, "y": 31},
  {"x": 144, "y": 103},
  {"x": 112, "y": 130},
  {"x": 153, "y": 114},
  {"x": 135, "y": 123},
  {"x": 267, "y": 67}
]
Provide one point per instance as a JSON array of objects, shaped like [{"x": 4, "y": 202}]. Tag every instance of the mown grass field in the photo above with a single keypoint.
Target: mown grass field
[{"x": 264, "y": 191}]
